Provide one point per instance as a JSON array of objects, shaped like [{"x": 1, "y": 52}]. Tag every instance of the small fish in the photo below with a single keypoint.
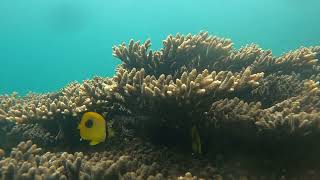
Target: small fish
[
  {"x": 93, "y": 128},
  {"x": 196, "y": 142}
]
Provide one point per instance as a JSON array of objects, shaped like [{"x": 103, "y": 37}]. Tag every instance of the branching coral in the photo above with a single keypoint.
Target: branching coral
[
  {"x": 136, "y": 161},
  {"x": 210, "y": 71},
  {"x": 178, "y": 51},
  {"x": 72, "y": 100},
  {"x": 201, "y": 51},
  {"x": 303, "y": 60},
  {"x": 296, "y": 114},
  {"x": 189, "y": 93},
  {"x": 192, "y": 81},
  {"x": 189, "y": 74}
]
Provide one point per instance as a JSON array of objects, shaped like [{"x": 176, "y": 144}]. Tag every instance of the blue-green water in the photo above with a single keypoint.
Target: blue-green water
[{"x": 44, "y": 44}]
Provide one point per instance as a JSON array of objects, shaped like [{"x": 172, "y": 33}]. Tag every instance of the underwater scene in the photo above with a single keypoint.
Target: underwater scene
[{"x": 154, "y": 90}]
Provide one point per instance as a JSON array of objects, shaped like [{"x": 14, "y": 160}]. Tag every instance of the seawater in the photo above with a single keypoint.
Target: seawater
[{"x": 45, "y": 44}]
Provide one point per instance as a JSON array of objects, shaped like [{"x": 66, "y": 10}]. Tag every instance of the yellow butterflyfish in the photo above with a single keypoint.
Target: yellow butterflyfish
[{"x": 93, "y": 128}]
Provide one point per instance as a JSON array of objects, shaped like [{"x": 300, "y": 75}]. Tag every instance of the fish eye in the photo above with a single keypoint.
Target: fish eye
[{"x": 89, "y": 123}]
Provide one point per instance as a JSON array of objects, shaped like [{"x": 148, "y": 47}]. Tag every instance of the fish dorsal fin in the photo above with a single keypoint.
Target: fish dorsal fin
[{"x": 92, "y": 143}]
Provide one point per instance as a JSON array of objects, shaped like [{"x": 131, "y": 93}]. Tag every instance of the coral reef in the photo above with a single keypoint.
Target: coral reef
[
  {"x": 244, "y": 97},
  {"x": 131, "y": 160},
  {"x": 247, "y": 86},
  {"x": 187, "y": 70},
  {"x": 135, "y": 161}
]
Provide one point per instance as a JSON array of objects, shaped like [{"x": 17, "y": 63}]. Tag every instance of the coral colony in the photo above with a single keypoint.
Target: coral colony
[{"x": 254, "y": 114}]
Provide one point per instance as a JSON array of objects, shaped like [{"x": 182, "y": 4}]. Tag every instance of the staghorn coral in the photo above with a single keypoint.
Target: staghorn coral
[
  {"x": 188, "y": 85},
  {"x": 177, "y": 52},
  {"x": 303, "y": 61},
  {"x": 183, "y": 53}
]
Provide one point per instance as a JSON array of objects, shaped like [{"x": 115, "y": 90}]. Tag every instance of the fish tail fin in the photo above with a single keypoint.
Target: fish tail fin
[{"x": 92, "y": 143}]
